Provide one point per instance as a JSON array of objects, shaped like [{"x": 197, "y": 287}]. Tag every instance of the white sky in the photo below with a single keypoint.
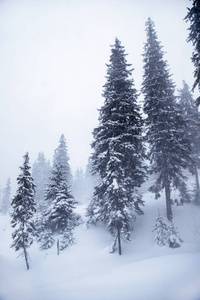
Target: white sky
[{"x": 52, "y": 61}]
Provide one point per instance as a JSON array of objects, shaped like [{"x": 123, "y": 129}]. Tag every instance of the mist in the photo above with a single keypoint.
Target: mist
[{"x": 53, "y": 66}]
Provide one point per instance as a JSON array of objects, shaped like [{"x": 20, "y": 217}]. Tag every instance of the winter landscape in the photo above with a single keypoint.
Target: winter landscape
[
  {"x": 88, "y": 271},
  {"x": 127, "y": 224}
]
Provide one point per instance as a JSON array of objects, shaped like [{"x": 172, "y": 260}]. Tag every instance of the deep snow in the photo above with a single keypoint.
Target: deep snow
[{"x": 88, "y": 271}]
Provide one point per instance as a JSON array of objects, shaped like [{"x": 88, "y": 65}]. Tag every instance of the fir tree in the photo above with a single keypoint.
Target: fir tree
[
  {"x": 193, "y": 16},
  {"x": 174, "y": 240},
  {"x": 45, "y": 238},
  {"x": 192, "y": 132},
  {"x": 23, "y": 211},
  {"x": 60, "y": 170},
  {"x": 161, "y": 229},
  {"x": 168, "y": 149},
  {"x": 60, "y": 213},
  {"x": 166, "y": 233},
  {"x": 6, "y": 201},
  {"x": 61, "y": 157},
  {"x": 118, "y": 151},
  {"x": 59, "y": 217}
]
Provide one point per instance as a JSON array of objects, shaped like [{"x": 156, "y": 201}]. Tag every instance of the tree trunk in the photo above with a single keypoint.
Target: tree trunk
[
  {"x": 197, "y": 200},
  {"x": 119, "y": 241},
  {"x": 168, "y": 202},
  {"x": 58, "y": 247},
  {"x": 196, "y": 177},
  {"x": 25, "y": 253}
]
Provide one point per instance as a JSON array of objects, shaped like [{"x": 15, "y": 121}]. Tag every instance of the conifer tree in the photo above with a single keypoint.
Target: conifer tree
[
  {"x": 193, "y": 16},
  {"x": 166, "y": 233},
  {"x": 6, "y": 201},
  {"x": 161, "y": 229},
  {"x": 59, "y": 217},
  {"x": 60, "y": 170},
  {"x": 168, "y": 148},
  {"x": 23, "y": 211},
  {"x": 192, "y": 132},
  {"x": 118, "y": 151}
]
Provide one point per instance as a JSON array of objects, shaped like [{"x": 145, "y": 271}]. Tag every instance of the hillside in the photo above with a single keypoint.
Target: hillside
[{"x": 88, "y": 271}]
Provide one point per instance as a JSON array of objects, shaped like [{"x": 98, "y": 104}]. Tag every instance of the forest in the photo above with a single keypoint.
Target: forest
[{"x": 141, "y": 180}]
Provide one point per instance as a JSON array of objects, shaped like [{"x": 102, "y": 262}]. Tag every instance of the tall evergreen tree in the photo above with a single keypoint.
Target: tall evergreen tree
[
  {"x": 168, "y": 149},
  {"x": 41, "y": 173},
  {"x": 23, "y": 211},
  {"x": 118, "y": 151},
  {"x": 6, "y": 201},
  {"x": 60, "y": 170},
  {"x": 61, "y": 157},
  {"x": 192, "y": 117},
  {"x": 59, "y": 216},
  {"x": 193, "y": 16}
]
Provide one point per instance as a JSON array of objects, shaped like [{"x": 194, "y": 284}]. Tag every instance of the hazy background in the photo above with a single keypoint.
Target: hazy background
[{"x": 52, "y": 68}]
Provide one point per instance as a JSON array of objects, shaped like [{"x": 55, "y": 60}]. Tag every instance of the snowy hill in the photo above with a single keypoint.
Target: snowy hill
[{"x": 88, "y": 271}]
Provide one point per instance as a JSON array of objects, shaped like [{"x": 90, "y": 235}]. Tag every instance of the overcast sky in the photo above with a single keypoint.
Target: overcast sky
[{"x": 52, "y": 68}]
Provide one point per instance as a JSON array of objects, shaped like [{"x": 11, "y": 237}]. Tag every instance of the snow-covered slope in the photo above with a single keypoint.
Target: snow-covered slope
[{"x": 88, "y": 271}]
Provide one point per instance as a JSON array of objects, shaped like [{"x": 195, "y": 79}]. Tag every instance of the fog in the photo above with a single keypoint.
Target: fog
[{"x": 53, "y": 56}]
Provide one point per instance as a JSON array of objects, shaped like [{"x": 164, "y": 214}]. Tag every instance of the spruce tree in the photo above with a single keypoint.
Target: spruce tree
[
  {"x": 24, "y": 209},
  {"x": 6, "y": 201},
  {"x": 193, "y": 16},
  {"x": 161, "y": 229},
  {"x": 60, "y": 170},
  {"x": 58, "y": 217},
  {"x": 61, "y": 157},
  {"x": 168, "y": 148},
  {"x": 166, "y": 233},
  {"x": 192, "y": 132},
  {"x": 118, "y": 151}
]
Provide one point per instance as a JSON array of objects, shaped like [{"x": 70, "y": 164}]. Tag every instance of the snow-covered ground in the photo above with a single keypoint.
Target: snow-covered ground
[{"x": 87, "y": 271}]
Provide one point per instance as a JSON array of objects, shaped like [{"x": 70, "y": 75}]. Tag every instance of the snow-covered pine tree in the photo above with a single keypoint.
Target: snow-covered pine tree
[
  {"x": 161, "y": 229},
  {"x": 24, "y": 209},
  {"x": 174, "y": 239},
  {"x": 118, "y": 151},
  {"x": 60, "y": 212},
  {"x": 41, "y": 173},
  {"x": 193, "y": 16},
  {"x": 45, "y": 238},
  {"x": 59, "y": 171},
  {"x": 6, "y": 198},
  {"x": 169, "y": 151},
  {"x": 59, "y": 216},
  {"x": 192, "y": 132},
  {"x": 61, "y": 157},
  {"x": 166, "y": 233}
]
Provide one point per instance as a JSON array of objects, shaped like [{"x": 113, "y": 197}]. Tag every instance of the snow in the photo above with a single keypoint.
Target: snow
[{"x": 88, "y": 271}]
